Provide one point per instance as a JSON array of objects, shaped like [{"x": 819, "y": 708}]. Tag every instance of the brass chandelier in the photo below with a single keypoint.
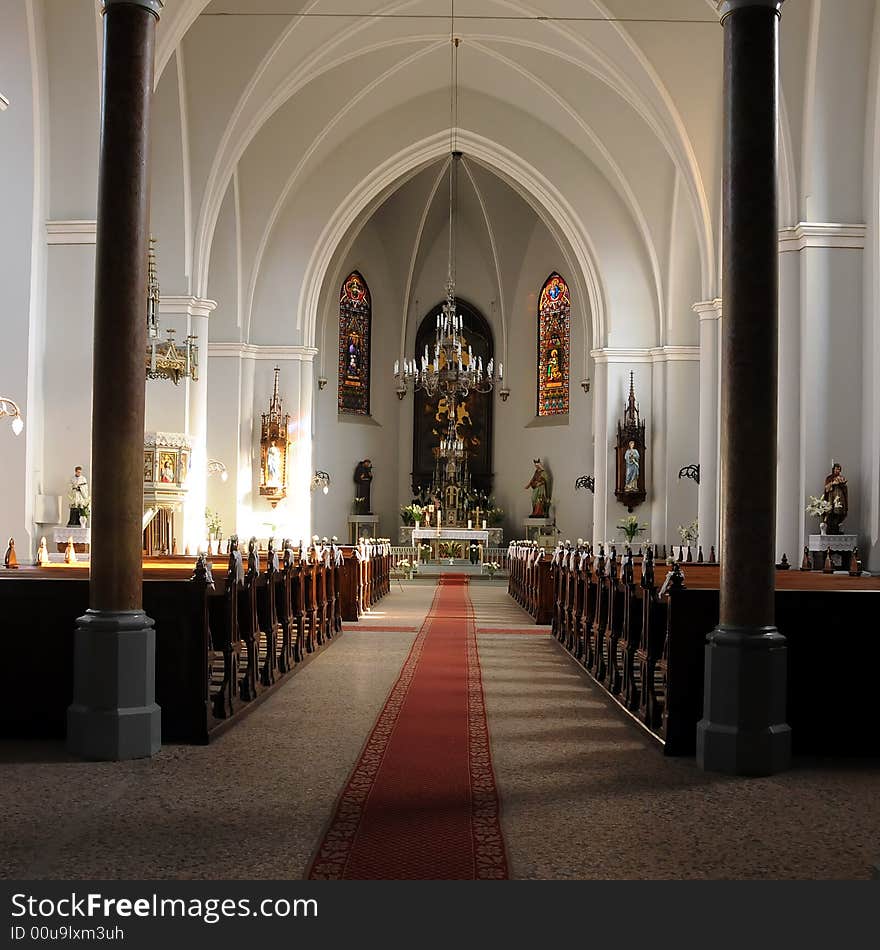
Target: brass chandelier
[{"x": 448, "y": 368}]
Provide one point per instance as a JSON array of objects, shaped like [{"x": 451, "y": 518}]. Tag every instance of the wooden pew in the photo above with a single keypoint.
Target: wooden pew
[
  {"x": 642, "y": 630},
  {"x": 224, "y": 638}
]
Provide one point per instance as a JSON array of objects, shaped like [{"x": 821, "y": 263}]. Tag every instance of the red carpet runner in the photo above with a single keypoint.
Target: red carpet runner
[{"x": 421, "y": 803}]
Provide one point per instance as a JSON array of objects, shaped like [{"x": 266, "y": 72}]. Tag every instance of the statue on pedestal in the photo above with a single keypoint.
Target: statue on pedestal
[
  {"x": 836, "y": 493},
  {"x": 540, "y": 486},
  {"x": 363, "y": 475},
  {"x": 78, "y": 496}
]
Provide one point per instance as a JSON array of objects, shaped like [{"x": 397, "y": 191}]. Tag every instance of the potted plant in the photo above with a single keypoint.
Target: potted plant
[
  {"x": 425, "y": 551},
  {"x": 630, "y": 527},
  {"x": 492, "y": 568},
  {"x": 406, "y": 567}
]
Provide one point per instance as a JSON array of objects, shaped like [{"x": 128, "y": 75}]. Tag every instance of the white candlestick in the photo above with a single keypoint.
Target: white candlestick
[
  {"x": 484, "y": 524},
  {"x": 470, "y": 525}
]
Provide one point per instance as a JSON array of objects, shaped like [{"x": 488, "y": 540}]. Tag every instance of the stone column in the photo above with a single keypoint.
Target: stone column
[
  {"x": 114, "y": 714},
  {"x": 709, "y": 312},
  {"x": 743, "y": 729},
  {"x": 194, "y": 530}
]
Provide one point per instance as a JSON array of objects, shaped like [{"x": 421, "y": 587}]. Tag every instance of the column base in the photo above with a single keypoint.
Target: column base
[
  {"x": 743, "y": 729},
  {"x": 114, "y": 715}
]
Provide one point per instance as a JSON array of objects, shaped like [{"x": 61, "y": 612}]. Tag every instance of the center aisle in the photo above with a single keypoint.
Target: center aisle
[{"x": 421, "y": 802}]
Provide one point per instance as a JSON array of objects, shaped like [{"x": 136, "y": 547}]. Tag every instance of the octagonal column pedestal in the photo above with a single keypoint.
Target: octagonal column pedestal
[
  {"x": 743, "y": 729},
  {"x": 114, "y": 714}
]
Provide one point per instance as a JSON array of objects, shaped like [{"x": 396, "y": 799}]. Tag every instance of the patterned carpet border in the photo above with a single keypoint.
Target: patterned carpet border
[{"x": 490, "y": 856}]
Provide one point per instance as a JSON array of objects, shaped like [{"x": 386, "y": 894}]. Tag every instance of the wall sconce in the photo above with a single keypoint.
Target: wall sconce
[
  {"x": 504, "y": 392},
  {"x": 322, "y": 382},
  {"x": 217, "y": 468},
  {"x": 585, "y": 385},
  {"x": 690, "y": 471},
  {"x": 585, "y": 481},
  {"x": 321, "y": 480},
  {"x": 10, "y": 408}
]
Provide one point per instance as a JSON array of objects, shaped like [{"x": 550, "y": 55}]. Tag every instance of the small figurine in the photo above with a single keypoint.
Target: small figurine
[
  {"x": 42, "y": 554},
  {"x": 855, "y": 564},
  {"x": 828, "y": 568},
  {"x": 10, "y": 561},
  {"x": 70, "y": 552},
  {"x": 806, "y": 563}
]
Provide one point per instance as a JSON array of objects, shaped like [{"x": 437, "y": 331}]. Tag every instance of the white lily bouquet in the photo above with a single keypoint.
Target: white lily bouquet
[
  {"x": 818, "y": 507},
  {"x": 492, "y": 568}
]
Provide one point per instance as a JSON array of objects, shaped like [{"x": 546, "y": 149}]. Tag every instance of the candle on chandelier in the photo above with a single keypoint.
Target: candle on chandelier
[{"x": 397, "y": 367}]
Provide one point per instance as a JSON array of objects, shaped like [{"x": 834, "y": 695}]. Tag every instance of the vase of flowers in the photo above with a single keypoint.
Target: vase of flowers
[
  {"x": 410, "y": 514},
  {"x": 406, "y": 567},
  {"x": 492, "y": 568},
  {"x": 818, "y": 507},
  {"x": 630, "y": 527}
]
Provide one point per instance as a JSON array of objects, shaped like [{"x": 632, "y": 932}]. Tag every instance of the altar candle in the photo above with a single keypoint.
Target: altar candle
[
  {"x": 470, "y": 525},
  {"x": 484, "y": 524}
]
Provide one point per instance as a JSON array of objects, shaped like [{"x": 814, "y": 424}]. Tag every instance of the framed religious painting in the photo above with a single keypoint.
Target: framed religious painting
[{"x": 630, "y": 455}]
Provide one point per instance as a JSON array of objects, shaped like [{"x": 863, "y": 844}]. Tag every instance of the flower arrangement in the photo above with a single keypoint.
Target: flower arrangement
[
  {"x": 411, "y": 514},
  {"x": 492, "y": 568},
  {"x": 494, "y": 516},
  {"x": 450, "y": 549},
  {"x": 213, "y": 522},
  {"x": 820, "y": 507},
  {"x": 689, "y": 533},
  {"x": 630, "y": 527}
]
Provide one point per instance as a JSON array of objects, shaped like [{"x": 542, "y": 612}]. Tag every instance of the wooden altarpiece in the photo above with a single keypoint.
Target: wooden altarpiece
[{"x": 630, "y": 454}]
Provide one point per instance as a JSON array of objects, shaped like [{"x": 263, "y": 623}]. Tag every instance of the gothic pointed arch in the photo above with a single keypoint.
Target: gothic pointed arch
[
  {"x": 554, "y": 347},
  {"x": 355, "y": 325}
]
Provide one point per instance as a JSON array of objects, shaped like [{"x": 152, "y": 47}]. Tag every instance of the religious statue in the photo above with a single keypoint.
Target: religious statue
[
  {"x": 42, "y": 554},
  {"x": 363, "y": 475},
  {"x": 540, "y": 487},
  {"x": 78, "y": 496},
  {"x": 273, "y": 466},
  {"x": 631, "y": 457},
  {"x": 836, "y": 494},
  {"x": 10, "y": 561}
]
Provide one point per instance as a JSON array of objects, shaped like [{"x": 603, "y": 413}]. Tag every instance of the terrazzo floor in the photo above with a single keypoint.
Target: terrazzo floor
[{"x": 585, "y": 794}]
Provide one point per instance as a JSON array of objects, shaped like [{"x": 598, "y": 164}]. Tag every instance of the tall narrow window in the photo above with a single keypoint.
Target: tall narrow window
[
  {"x": 355, "y": 314},
  {"x": 554, "y": 319}
]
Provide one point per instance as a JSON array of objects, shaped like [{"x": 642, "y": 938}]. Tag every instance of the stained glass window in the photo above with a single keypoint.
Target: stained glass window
[
  {"x": 554, "y": 344},
  {"x": 355, "y": 314}
]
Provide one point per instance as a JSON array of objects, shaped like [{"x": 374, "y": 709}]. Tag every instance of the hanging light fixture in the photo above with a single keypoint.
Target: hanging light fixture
[
  {"x": 10, "y": 408},
  {"x": 321, "y": 480},
  {"x": 216, "y": 467},
  {"x": 165, "y": 360},
  {"x": 449, "y": 368}
]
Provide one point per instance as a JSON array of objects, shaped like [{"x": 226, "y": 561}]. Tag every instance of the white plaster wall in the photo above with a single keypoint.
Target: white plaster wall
[
  {"x": 74, "y": 109},
  {"x": 20, "y": 146}
]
